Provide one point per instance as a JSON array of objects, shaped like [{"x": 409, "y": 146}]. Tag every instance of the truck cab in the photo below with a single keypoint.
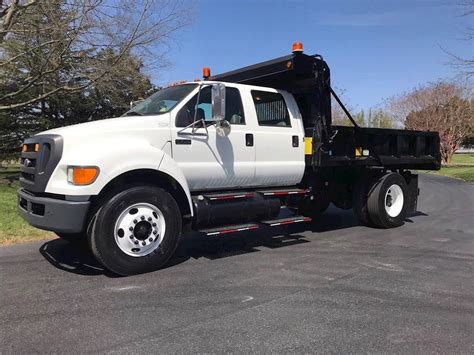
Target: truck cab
[{"x": 218, "y": 156}]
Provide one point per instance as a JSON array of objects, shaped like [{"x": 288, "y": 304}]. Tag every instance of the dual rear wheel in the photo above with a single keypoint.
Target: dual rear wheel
[{"x": 381, "y": 202}]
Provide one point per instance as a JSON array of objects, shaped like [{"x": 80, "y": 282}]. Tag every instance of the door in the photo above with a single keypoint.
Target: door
[
  {"x": 279, "y": 135},
  {"x": 208, "y": 160}
]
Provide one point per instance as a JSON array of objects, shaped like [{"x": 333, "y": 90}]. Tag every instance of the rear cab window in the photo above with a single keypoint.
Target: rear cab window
[{"x": 271, "y": 109}]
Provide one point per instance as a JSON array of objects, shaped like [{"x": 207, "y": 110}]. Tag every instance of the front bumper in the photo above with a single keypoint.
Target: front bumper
[{"x": 52, "y": 214}]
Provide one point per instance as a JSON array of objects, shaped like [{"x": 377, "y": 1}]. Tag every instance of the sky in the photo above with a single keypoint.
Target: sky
[{"x": 375, "y": 48}]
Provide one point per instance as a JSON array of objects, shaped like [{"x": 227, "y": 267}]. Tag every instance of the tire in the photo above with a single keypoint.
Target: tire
[
  {"x": 74, "y": 238},
  {"x": 387, "y": 201},
  {"x": 136, "y": 231},
  {"x": 359, "y": 207}
]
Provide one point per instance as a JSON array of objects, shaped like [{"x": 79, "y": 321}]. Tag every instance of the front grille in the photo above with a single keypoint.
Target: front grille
[{"x": 39, "y": 158}]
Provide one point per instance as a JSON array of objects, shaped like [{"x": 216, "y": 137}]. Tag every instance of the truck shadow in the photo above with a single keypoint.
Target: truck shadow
[{"x": 77, "y": 258}]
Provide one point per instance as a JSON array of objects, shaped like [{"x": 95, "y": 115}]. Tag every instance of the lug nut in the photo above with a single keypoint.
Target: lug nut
[
  {"x": 154, "y": 232},
  {"x": 154, "y": 224},
  {"x": 149, "y": 219},
  {"x": 131, "y": 237},
  {"x": 142, "y": 218},
  {"x": 135, "y": 221},
  {"x": 130, "y": 229},
  {"x": 136, "y": 242},
  {"x": 150, "y": 239},
  {"x": 143, "y": 243}
]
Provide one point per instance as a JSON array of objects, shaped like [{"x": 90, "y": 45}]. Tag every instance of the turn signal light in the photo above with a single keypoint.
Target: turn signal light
[
  {"x": 82, "y": 175},
  {"x": 297, "y": 47},
  {"x": 206, "y": 72},
  {"x": 30, "y": 148}
]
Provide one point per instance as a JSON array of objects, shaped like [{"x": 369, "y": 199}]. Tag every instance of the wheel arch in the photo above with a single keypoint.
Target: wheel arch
[{"x": 152, "y": 177}]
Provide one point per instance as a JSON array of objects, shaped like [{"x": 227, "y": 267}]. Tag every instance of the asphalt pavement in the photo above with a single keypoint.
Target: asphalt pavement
[{"x": 330, "y": 286}]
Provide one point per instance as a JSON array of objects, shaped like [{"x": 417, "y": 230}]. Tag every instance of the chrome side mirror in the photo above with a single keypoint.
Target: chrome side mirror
[
  {"x": 223, "y": 128},
  {"x": 218, "y": 102}
]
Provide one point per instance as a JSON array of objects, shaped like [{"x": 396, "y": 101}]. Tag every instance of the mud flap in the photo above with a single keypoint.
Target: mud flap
[{"x": 413, "y": 191}]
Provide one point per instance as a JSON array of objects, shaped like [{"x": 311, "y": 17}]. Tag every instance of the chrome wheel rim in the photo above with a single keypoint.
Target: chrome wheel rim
[
  {"x": 394, "y": 200},
  {"x": 140, "y": 229}
]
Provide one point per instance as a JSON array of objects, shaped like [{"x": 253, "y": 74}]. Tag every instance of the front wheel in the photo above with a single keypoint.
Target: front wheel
[
  {"x": 136, "y": 231},
  {"x": 387, "y": 201}
]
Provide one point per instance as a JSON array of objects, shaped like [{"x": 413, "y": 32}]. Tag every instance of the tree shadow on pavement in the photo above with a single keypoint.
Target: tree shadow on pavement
[{"x": 77, "y": 258}]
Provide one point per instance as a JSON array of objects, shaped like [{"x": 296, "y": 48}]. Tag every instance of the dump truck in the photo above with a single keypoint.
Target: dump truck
[{"x": 221, "y": 155}]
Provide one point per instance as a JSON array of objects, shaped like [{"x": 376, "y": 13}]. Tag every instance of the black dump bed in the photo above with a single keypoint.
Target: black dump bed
[{"x": 308, "y": 79}]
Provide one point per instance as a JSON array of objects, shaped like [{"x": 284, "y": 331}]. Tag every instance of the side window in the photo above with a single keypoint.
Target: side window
[
  {"x": 271, "y": 109},
  {"x": 234, "y": 111},
  {"x": 185, "y": 116}
]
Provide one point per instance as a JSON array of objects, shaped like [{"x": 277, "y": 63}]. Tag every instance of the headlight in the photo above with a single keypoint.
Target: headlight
[{"x": 82, "y": 175}]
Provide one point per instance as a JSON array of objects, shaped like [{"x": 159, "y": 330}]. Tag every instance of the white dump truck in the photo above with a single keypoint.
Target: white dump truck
[{"x": 220, "y": 155}]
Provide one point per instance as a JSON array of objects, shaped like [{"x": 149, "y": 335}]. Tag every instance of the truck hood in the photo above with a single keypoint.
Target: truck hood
[
  {"x": 120, "y": 125},
  {"x": 115, "y": 132}
]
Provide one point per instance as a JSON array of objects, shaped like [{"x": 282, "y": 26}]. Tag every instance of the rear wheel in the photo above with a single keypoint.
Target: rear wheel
[
  {"x": 387, "y": 201},
  {"x": 136, "y": 231}
]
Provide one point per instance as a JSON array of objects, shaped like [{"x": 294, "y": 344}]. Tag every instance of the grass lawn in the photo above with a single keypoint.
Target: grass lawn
[
  {"x": 462, "y": 167},
  {"x": 13, "y": 229}
]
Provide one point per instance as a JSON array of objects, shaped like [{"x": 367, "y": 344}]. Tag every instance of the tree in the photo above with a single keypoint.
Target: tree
[
  {"x": 53, "y": 46},
  {"x": 69, "y": 61},
  {"x": 465, "y": 65},
  {"x": 445, "y": 107},
  {"x": 378, "y": 118}
]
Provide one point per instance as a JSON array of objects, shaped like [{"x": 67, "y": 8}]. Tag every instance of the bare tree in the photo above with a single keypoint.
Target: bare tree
[
  {"x": 56, "y": 45},
  {"x": 465, "y": 65},
  {"x": 445, "y": 107}
]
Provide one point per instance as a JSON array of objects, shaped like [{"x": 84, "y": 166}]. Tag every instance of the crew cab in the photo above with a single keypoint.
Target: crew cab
[{"x": 218, "y": 156}]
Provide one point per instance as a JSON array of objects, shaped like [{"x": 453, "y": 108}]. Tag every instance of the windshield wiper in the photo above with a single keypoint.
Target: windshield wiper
[{"x": 133, "y": 113}]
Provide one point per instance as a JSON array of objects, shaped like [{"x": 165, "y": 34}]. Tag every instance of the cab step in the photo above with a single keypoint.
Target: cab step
[
  {"x": 285, "y": 221},
  {"x": 229, "y": 229},
  {"x": 283, "y": 192},
  {"x": 227, "y": 196}
]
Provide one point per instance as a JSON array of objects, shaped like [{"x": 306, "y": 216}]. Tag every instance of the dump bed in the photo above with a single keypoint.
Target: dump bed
[
  {"x": 307, "y": 77},
  {"x": 394, "y": 148}
]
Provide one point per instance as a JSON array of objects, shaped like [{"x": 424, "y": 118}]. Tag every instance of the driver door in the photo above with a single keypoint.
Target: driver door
[{"x": 209, "y": 160}]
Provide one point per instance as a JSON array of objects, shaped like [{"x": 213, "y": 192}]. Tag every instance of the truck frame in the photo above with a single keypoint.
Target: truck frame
[{"x": 148, "y": 176}]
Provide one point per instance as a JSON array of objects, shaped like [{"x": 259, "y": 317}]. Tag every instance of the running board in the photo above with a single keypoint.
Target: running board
[
  {"x": 229, "y": 229},
  {"x": 228, "y": 196},
  {"x": 285, "y": 221},
  {"x": 283, "y": 192}
]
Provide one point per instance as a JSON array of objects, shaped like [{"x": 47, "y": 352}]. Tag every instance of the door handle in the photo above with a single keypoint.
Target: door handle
[
  {"x": 295, "y": 141},
  {"x": 249, "y": 140}
]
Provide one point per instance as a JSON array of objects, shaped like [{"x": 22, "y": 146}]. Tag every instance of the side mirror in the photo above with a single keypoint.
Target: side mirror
[
  {"x": 223, "y": 128},
  {"x": 218, "y": 102}
]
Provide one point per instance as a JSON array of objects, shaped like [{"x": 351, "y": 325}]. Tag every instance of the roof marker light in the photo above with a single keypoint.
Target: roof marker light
[
  {"x": 297, "y": 47},
  {"x": 206, "y": 72}
]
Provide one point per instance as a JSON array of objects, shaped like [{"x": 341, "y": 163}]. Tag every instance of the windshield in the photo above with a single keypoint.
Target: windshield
[{"x": 162, "y": 101}]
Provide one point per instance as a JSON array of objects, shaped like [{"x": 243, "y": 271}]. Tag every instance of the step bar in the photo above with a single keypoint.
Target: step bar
[
  {"x": 252, "y": 226},
  {"x": 248, "y": 194},
  {"x": 285, "y": 221}
]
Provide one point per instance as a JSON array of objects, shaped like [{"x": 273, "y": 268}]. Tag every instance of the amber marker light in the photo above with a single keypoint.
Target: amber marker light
[
  {"x": 37, "y": 147},
  {"x": 82, "y": 175},
  {"x": 24, "y": 148},
  {"x": 297, "y": 47},
  {"x": 206, "y": 72}
]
